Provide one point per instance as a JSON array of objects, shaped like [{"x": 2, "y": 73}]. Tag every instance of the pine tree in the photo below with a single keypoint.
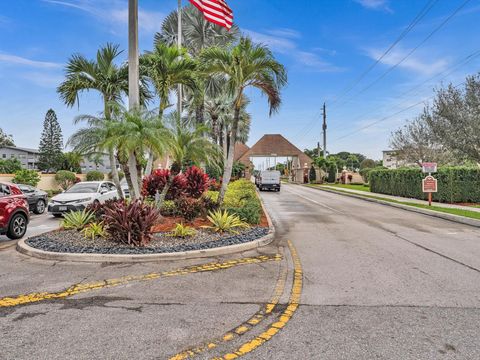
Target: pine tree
[
  {"x": 5, "y": 139},
  {"x": 51, "y": 144}
]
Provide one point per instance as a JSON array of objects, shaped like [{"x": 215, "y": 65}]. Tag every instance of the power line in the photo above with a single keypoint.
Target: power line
[
  {"x": 390, "y": 116},
  {"x": 424, "y": 11},
  {"x": 393, "y": 67},
  {"x": 447, "y": 73}
]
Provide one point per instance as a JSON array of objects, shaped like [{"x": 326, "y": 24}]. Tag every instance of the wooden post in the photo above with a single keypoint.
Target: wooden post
[{"x": 429, "y": 199}]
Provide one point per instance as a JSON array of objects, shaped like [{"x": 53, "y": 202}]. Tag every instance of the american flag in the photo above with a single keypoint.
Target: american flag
[{"x": 215, "y": 11}]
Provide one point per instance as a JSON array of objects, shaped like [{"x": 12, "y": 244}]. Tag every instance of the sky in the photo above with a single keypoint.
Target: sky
[{"x": 327, "y": 47}]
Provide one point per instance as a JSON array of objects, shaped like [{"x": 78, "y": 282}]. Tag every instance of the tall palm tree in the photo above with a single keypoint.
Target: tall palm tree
[
  {"x": 245, "y": 65},
  {"x": 197, "y": 32},
  {"x": 197, "y": 35},
  {"x": 104, "y": 76},
  {"x": 166, "y": 67},
  {"x": 135, "y": 131}
]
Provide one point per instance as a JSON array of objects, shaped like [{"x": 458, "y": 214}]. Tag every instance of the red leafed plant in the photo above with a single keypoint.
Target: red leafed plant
[
  {"x": 214, "y": 185},
  {"x": 197, "y": 182},
  {"x": 158, "y": 179},
  {"x": 130, "y": 223},
  {"x": 188, "y": 208}
]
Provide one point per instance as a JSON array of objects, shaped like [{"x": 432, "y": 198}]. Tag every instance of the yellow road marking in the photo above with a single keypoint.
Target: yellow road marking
[
  {"x": 81, "y": 288},
  {"x": 284, "y": 318},
  {"x": 242, "y": 328}
]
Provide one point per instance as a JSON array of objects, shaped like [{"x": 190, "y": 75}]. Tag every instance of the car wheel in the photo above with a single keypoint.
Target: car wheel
[
  {"x": 39, "y": 207},
  {"x": 17, "y": 227}
]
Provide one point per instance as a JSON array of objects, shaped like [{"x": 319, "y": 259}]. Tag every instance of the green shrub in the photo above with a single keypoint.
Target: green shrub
[
  {"x": 455, "y": 184},
  {"x": 95, "y": 175},
  {"x": 213, "y": 195},
  {"x": 65, "y": 179},
  {"x": 182, "y": 231},
  {"x": 27, "y": 177},
  {"x": 225, "y": 222},
  {"x": 77, "y": 220},
  {"x": 168, "y": 208},
  {"x": 94, "y": 230},
  {"x": 188, "y": 208},
  {"x": 10, "y": 166},
  {"x": 250, "y": 213}
]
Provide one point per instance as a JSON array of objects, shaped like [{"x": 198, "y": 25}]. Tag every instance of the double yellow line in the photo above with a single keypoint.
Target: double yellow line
[
  {"x": 82, "y": 288},
  {"x": 280, "y": 322}
]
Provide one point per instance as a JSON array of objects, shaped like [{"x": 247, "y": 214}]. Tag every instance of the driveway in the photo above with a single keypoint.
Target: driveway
[{"x": 378, "y": 283}]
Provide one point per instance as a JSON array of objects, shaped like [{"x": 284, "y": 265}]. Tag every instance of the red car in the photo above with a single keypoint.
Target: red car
[{"x": 14, "y": 215}]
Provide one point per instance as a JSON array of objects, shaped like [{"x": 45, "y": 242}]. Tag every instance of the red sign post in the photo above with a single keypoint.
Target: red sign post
[{"x": 429, "y": 185}]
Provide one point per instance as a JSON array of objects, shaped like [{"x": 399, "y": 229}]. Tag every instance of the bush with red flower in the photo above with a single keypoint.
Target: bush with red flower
[
  {"x": 197, "y": 182},
  {"x": 158, "y": 179}
]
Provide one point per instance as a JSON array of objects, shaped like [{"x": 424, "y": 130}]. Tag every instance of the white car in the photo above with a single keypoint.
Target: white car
[{"x": 80, "y": 195}]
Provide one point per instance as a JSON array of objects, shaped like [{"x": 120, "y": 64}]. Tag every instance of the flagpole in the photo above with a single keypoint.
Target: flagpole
[
  {"x": 133, "y": 71},
  {"x": 179, "y": 44}
]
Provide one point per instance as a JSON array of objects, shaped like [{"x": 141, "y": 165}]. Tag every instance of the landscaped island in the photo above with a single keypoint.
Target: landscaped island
[{"x": 188, "y": 219}]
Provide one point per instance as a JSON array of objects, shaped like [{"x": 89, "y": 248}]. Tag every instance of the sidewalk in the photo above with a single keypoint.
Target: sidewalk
[{"x": 401, "y": 199}]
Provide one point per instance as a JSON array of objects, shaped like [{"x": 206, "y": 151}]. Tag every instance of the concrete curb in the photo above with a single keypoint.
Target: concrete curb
[
  {"x": 437, "y": 214},
  {"x": 25, "y": 249}
]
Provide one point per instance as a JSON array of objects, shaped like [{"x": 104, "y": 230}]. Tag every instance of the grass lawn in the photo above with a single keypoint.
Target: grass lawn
[
  {"x": 453, "y": 211},
  {"x": 348, "y": 186}
]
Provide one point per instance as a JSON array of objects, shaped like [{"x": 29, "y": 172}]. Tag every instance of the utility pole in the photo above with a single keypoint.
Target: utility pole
[
  {"x": 324, "y": 127},
  {"x": 133, "y": 71},
  {"x": 179, "y": 44},
  {"x": 318, "y": 148}
]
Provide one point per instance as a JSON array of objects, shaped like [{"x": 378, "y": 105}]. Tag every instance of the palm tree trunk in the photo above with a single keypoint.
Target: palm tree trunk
[
  {"x": 132, "y": 167},
  {"x": 115, "y": 177},
  {"x": 228, "y": 166},
  {"x": 214, "y": 129},
  {"x": 164, "y": 192},
  {"x": 149, "y": 166}
]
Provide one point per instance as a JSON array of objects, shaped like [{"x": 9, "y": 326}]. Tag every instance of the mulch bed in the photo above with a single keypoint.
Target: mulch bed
[{"x": 72, "y": 241}]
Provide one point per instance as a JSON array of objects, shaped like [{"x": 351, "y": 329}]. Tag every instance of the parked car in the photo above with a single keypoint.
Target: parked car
[
  {"x": 14, "y": 213},
  {"x": 37, "y": 199},
  {"x": 80, "y": 195},
  {"x": 269, "y": 180}
]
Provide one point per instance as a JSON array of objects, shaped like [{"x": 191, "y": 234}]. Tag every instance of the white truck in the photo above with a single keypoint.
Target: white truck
[{"x": 269, "y": 180}]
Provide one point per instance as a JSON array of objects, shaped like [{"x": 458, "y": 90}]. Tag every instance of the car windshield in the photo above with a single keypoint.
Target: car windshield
[{"x": 83, "y": 188}]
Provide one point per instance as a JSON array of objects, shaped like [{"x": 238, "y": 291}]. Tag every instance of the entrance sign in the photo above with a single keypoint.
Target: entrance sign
[
  {"x": 429, "y": 186},
  {"x": 429, "y": 167}
]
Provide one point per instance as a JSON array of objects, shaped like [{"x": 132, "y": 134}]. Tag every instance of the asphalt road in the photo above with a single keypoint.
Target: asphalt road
[
  {"x": 378, "y": 283},
  {"x": 38, "y": 224}
]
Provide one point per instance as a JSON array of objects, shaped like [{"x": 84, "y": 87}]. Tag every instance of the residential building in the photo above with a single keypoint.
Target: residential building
[
  {"x": 101, "y": 164},
  {"x": 27, "y": 157}
]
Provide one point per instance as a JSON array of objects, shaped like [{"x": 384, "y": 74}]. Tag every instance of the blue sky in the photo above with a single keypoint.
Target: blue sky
[{"x": 324, "y": 44}]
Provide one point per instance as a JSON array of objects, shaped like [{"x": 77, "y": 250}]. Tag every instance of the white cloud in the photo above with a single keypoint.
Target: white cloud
[
  {"x": 43, "y": 79},
  {"x": 282, "y": 41},
  {"x": 412, "y": 63},
  {"x": 375, "y": 5},
  {"x": 18, "y": 60},
  {"x": 114, "y": 12}
]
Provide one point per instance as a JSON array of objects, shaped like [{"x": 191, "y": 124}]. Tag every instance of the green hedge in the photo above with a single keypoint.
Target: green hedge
[{"x": 455, "y": 184}]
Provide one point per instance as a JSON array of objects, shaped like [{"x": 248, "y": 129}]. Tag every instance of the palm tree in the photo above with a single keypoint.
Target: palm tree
[
  {"x": 92, "y": 140},
  {"x": 134, "y": 131},
  {"x": 197, "y": 32},
  {"x": 245, "y": 65},
  {"x": 197, "y": 35},
  {"x": 187, "y": 144},
  {"x": 167, "y": 67},
  {"x": 104, "y": 76}
]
